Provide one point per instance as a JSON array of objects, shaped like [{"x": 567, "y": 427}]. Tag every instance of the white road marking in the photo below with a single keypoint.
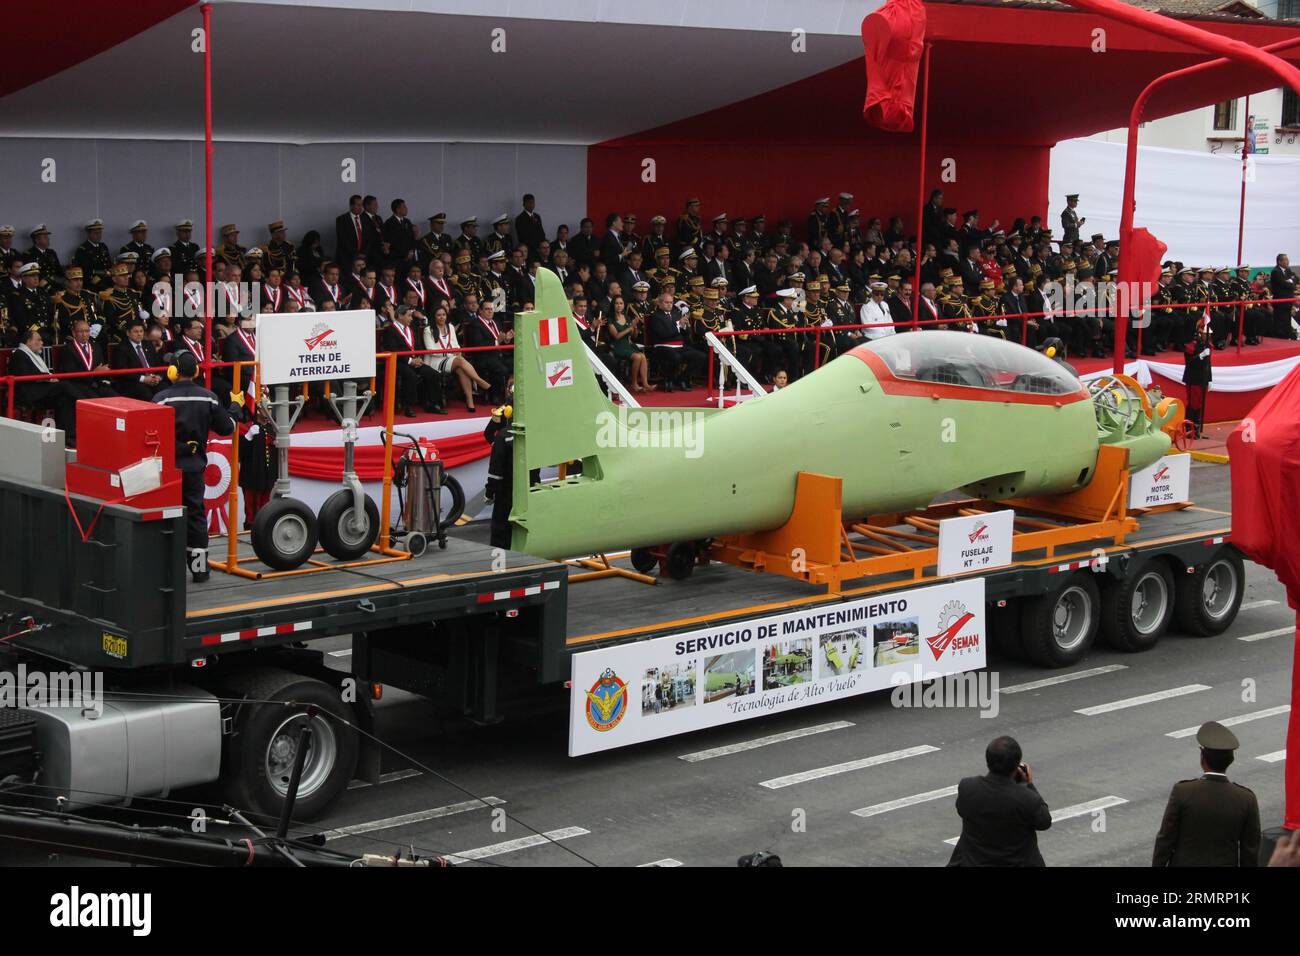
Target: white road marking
[
  {"x": 1074, "y": 810},
  {"x": 347, "y": 652},
  {"x": 1062, "y": 678},
  {"x": 878, "y": 808},
  {"x": 1265, "y": 635},
  {"x": 1277, "y": 756},
  {"x": 1234, "y": 721},
  {"x": 776, "y": 783},
  {"x": 387, "y": 778},
  {"x": 1144, "y": 699},
  {"x": 763, "y": 741},
  {"x": 668, "y": 861},
  {"x": 1251, "y": 605},
  {"x": 338, "y": 833},
  {"x": 510, "y": 846}
]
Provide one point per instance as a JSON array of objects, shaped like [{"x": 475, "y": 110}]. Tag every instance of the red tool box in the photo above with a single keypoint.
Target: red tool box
[{"x": 116, "y": 433}]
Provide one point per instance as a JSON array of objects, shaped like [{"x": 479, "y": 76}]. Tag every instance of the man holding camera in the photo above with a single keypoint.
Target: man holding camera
[{"x": 1001, "y": 812}]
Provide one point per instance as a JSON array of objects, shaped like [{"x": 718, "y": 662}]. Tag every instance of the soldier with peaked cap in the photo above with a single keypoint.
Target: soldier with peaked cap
[
  {"x": 1254, "y": 319},
  {"x": 46, "y": 258},
  {"x": 139, "y": 230},
  {"x": 119, "y": 303},
  {"x": 434, "y": 242},
  {"x": 71, "y": 303},
  {"x": 93, "y": 257},
  {"x": 781, "y": 350},
  {"x": 655, "y": 239},
  {"x": 1070, "y": 221},
  {"x": 7, "y": 251},
  {"x": 819, "y": 222},
  {"x": 185, "y": 253},
  {"x": 690, "y": 232},
  {"x": 30, "y": 306},
  {"x": 280, "y": 252},
  {"x": 230, "y": 251},
  {"x": 468, "y": 240},
  {"x": 499, "y": 239},
  {"x": 1209, "y": 820}
]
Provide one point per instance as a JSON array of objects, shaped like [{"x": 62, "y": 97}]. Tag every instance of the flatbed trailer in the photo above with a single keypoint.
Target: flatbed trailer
[{"x": 469, "y": 626}]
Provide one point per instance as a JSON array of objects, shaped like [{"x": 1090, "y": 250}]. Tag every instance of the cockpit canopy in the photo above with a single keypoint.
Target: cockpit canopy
[{"x": 977, "y": 361}]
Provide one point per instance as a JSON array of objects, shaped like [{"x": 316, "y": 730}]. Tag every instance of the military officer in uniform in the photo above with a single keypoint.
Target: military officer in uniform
[
  {"x": 499, "y": 240},
  {"x": 280, "y": 252},
  {"x": 1164, "y": 318},
  {"x": 185, "y": 253},
  {"x": 1070, "y": 220},
  {"x": 1209, "y": 820},
  {"x": 781, "y": 350},
  {"x": 663, "y": 272},
  {"x": 689, "y": 230},
  {"x": 230, "y": 251},
  {"x": 139, "y": 231},
  {"x": 464, "y": 280},
  {"x": 198, "y": 413},
  {"x": 468, "y": 240},
  {"x": 7, "y": 251},
  {"x": 93, "y": 257},
  {"x": 119, "y": 303},
  {"x": 30, "y": 307},
  {"x": 435, "y": 242},
  {"x": 745, "y": 318},
  {"x": 71, "y": 303},
  {"x": 984, "y": 310},
  {"x": 840, "y": 216},
  {"x": 655, "y": 239},
  {"x": 819, "y": 222},
  {"x": 46, "y": 258},
  {"x": 1254, "y": 319}
]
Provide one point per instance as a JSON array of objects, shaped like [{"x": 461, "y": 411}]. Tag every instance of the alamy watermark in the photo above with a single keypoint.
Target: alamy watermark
[
  {"x": 974, "y": 689},
  {"x": 38, "y": 689},
  {"x": 651, "y": 428}
]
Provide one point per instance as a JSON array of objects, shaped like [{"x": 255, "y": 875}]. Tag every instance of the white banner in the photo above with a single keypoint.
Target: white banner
[
  {"x": 975, "y": 542},
  {"x": 1227, "y": 378},
  {"x": 672, "y": 685},
  {"x": 316, "y": 346},
  {"x": 1166, "y": 482}
]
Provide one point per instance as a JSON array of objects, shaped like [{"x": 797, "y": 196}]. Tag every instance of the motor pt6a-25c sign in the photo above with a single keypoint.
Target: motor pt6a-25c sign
[{"x": 316, "y": 346}]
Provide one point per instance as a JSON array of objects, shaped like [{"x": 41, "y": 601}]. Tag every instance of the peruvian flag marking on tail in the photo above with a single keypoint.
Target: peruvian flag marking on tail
[{"x": 554, "y": 331}]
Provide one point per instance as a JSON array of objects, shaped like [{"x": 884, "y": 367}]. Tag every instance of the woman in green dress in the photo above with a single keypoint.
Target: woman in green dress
[{"x": 622, "y": 332}]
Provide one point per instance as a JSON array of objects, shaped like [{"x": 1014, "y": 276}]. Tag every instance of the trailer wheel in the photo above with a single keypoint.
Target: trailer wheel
[
  {"x": 1004, "y": 630},
  {"x": 1058, "y": 628},
  {"x": 681, "y": 560},
  {"x": 1135, "y": 611},
  {"x": 284, "y": 534},
  {"x": 262, "y": 750},
  {"x": 338, "y": 533},
  {"x": 643, "y": 560},
  {"x": 1207, "y": 601}
]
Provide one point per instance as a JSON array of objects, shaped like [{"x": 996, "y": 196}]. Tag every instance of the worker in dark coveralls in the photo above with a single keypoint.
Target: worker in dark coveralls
[
  {"x": 501, "y": 472},
  {"x": 1209, "y": 820},
  {"x": 1001, "y": 812},
  {"x": 198, "y": 412}
]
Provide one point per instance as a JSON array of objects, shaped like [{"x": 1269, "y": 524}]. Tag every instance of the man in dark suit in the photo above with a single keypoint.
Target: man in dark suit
[
  {"x": 81, "y": 354},
  {"x": 399, "y": 233},
  {"x": 417, "y": 383},
  {"x": 1210, "y": 821},
  {"x": 484, "y": 331},
  {"x": 1000, "y": 812},
  {"x": 351, "y": 232},
  {"x": 136, "y": 352},
  {"x": 1282, "y": 285},
  {"x": 611, "y": 244},
  {"x": 528, "y": 225}
]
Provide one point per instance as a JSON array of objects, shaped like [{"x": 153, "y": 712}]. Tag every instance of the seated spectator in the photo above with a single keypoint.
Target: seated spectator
[
  {"x": 134, "y": 352},
  {"x": 622, "y": 331},
  {"x": 81, "y": 354},
  {"x": 417, "y": 383},
  {"x": 441, "y": 334},
  {"x": 483, "y": 331},
  {"x": 27, "y": 359}
]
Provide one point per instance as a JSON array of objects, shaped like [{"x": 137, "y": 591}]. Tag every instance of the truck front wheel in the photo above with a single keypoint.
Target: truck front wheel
[{"x": 265, "y": 744}]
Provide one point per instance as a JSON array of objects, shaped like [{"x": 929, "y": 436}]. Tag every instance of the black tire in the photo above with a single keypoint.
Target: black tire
[
  {"x": 1004, "y": 631},
  {"x": 643, "y": 560},
  {"x": 1207, "y": 602},
  {"x": 1136, "y": 610},
  {"x": 452, "y": 487},
  {"x": 335, "y": 519},
  {"x": 1058, "y": 628},
  {"x": 260, "y": 752},
  {"x": 284, "y": 534},
  {"x": 681, "y": 560}
]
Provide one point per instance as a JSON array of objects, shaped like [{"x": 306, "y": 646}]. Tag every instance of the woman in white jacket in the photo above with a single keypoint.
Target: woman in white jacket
[{"x": 441, "y": 334}]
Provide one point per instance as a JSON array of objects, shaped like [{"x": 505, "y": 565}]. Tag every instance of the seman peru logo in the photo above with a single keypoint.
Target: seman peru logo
[
  {"x": 951, "y": 620},
  {"x": 320, "y": 337},
  {"x": 606, "y": 701},
  {"x": 1161, "y": 475}
]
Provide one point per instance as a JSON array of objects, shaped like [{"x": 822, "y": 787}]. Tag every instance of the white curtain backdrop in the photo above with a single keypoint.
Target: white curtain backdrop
[
  {"x": 1189, "y": 200},
  {"x": 1227, "y": 378}
]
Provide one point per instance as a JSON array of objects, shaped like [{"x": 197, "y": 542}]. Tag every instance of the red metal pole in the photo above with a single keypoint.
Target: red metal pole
[
  {"x": 207, "y": 192},
  {"x": 920, "y": 185},
  {"x": 1130, "y": 166},
  {"x": 1241, "y": 216}
]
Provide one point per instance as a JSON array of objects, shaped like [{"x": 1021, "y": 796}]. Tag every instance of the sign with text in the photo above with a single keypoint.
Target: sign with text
[
  {"x": 975, "y": 542},
  {"x": 644, "y": 690},
  {"x": 316, "y": 346},
  {"x": 1167, "y": 482}
]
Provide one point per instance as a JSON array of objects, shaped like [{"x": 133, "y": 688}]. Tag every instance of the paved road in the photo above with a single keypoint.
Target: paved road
[{"x": 1105, "y": 774}]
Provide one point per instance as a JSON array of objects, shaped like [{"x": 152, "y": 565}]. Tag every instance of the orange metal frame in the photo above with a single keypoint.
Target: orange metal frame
[
  {"x": 382, "y": 547},
  {"x": 815, "y": 544}
]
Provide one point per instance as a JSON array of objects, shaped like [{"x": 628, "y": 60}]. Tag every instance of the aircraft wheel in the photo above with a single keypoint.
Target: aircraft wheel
[
  {"x": 1207, "y": 601},
  {"x": 284, "y": 534},
  {"x": 1135, "y": 611},
  {"x": 681, "y": 560},
  {"x": 341, "y": 533},
  {"x": 1059, "y": 627},
  {"x": 643, "y": 560}
]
